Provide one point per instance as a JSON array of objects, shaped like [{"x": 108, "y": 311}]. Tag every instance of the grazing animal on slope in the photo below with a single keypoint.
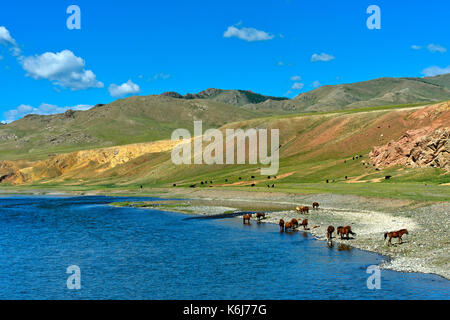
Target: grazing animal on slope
[
  {"x": 315, "y": 205},
  {"x": 396, "y": 234}
]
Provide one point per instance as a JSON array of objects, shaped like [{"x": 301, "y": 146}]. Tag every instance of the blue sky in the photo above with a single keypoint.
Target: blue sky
[{"x": 148, "y": 47}]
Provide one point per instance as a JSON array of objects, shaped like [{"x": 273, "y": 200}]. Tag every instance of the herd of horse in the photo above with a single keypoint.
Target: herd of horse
[{"x": 343, "y": 232}]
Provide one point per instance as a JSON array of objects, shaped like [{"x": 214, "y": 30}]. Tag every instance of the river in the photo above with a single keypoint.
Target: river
[{"x": 129, "y": 253}]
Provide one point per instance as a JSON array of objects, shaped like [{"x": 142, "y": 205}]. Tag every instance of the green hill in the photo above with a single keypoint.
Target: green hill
[
  {"x": 378, "y": 92},
  {"x": 150, "y": 118},
  {"x": 130, "y": 120}
]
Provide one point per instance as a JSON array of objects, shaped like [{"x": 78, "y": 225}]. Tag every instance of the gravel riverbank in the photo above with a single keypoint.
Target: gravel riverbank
[{"x": 425, "y": 249}]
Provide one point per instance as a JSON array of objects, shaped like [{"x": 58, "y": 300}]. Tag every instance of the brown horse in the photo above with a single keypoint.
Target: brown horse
[
  {"x": 287, "y": 225},
  {"x": 315, "y": 205},
  {"x": 302, "y": 209},
  {"x": 294, "y": 223},
  {"x": 345, "y": 231},
  {"x": 304, "y": 223},
  {"x": 260, "y": 215},
  {"x": 396, "y": 234},
  {"x": 281, "y": 224},
  {"x": 247, "y": 217},
  {"x": 330, "y": 231}
]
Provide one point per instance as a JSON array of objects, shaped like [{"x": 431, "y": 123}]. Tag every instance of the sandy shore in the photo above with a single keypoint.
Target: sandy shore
[{"x": 425, "y": 249}]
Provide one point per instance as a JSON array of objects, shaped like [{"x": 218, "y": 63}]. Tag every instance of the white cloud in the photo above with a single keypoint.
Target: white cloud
[
  {"x": 124, "y": 89},
  {"x": 247, "y": 34},
  {"x": 436, "y": 48},
  {"x": 296, "y": 78},
  {"x": 43, "y": 109},
  {"x": 161, "y": 76},
  {"x": 297, "y": 86},
  {"x": 431, "y": 47},
  {"x": 321, "y": 57},
  {"x": 5, "y": 37},
  {"x": 7, "y": 40},
  {"x": 435, "y": 70},
  {"x": 63, "y": 68},
  {"x": 316, "y": 84}
]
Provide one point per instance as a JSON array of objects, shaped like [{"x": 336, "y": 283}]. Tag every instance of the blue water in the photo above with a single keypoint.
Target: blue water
[{"x": 127, "y": 253}]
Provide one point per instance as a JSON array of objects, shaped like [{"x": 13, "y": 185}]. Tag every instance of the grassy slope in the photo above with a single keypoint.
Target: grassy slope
[
  {"x": 131, "y": 120},
  {"x": 377, "y": 92},
  {"x": 150, "y": 118},
  {"x": 314, "y": 148}
]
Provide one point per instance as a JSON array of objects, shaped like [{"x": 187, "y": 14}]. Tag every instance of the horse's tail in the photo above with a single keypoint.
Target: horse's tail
[{"x": 385, "y": 235}]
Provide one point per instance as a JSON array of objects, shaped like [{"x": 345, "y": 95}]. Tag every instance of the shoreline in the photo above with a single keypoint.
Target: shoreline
[{"x": 425, "y": 250}]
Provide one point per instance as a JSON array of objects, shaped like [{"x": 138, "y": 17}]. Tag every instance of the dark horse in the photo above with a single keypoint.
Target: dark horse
[
  {"x": 396, "y": 234},
  {"x": 294, "y": 223},
  {"x": 260, "y": 215},
  {"x": 345, "y": 231},
  {"x": 315, "y": 205},
  {"x": 330, "y": 231},
  {"x": 247, "y": 217},
  {"x": 281, "y": 224},
  {"x": 304, "y": 223}
]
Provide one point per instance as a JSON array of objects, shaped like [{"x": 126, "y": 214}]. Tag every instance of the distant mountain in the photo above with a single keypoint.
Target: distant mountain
[
  {"x": 378, "y": 92},
  {"x": 233, "y": 97}
]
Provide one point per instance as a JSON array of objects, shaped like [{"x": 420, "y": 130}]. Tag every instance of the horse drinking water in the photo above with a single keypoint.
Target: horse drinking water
[{"x": 247, "y": 217}]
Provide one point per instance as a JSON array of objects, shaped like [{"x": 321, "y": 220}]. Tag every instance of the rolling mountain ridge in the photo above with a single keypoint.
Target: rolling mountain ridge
[{"x": 141, "y": 119}]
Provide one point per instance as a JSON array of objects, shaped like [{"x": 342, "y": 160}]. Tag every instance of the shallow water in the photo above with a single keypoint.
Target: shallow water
[{"x": 127, "y": 253}]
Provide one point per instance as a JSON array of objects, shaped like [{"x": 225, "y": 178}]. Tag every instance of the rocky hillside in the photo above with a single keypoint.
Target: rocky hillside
[
  {"x": 427, "y": 146},
  {"x": 416, "y": 148},
  {"x": 232, "y": 97}
]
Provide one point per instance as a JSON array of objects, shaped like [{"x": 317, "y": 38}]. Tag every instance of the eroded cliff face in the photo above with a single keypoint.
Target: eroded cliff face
[
  {"x": 423, "y": 147},
  {"x": 10, "y": 172},
  {"x": 432, "y": 150},
  {"x": 95, "y": 160},
  {"x": 427, "y": 146}
]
